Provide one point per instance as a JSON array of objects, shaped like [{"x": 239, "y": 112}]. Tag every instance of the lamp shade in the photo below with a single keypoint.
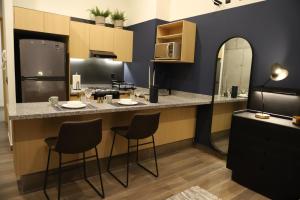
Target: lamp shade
[{"x": 278, "y": 72}]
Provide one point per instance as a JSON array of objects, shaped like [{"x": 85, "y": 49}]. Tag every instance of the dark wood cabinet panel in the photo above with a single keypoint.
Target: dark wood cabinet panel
[{"x": 265, "y": 156}]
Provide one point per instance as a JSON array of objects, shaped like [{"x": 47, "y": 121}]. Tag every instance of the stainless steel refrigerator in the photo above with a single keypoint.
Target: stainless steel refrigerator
[{"x": 43, "y": 70}]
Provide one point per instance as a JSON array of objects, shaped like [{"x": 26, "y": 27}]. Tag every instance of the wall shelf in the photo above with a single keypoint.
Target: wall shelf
[
  {"x": 170, "y": 61},
  {"x": 168, "y": 37},
  {"x": 183, "y": 32}
]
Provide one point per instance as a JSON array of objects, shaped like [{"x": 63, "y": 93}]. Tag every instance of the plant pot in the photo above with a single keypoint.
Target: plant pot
[
  {"x": 119, "y": 24},
  {"x": 100, "y": 20}
]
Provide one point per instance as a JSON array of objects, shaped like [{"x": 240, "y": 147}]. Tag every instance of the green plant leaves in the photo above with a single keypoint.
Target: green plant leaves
[
  {"x": 118, "y": 15},
  {"x": 96, "y": 12}
]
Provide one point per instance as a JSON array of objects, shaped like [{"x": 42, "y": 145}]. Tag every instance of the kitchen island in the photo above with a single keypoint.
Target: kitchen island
[{"x": 33, "y": 122}]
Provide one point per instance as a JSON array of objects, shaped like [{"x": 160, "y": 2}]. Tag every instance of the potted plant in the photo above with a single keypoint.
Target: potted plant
[
  {"x": 99, "y": 15},
  {"x": 118, "y": 19}
]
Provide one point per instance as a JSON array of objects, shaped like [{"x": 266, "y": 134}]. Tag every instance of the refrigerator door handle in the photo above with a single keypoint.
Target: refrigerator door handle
[{"x": 30, "y": 78}]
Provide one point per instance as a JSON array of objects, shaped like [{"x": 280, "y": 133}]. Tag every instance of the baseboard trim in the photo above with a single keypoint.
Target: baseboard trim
[{"x": 34, "y": 182}]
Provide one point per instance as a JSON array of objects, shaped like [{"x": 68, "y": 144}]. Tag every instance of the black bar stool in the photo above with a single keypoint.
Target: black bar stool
[
  {"x": 75, "y": 138},
  {"x": 141, "y": 127}
]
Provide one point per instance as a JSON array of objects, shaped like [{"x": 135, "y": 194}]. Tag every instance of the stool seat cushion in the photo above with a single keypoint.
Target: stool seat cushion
[
  {"x": 121, "y": 130},
  {"x": 51, "y": 141}
]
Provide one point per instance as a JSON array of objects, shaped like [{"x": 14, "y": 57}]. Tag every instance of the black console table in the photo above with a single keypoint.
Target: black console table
[{"x": 264, "y": 155}]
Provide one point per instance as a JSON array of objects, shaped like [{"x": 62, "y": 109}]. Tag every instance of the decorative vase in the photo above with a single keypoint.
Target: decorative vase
[
  {"x": 119, "y": 24},
  {"x": 100, "y": 20}
]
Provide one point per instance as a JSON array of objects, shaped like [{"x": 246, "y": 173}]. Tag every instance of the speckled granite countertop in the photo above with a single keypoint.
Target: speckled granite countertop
[
  {"x": 221, "y": 99},
  {"x": 21, "y": 111}
]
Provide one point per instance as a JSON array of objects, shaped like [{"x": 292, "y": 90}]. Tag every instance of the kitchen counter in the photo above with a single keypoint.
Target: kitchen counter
[
  {"x": 221, "y": 99},
  {"x": 31, "y": 123},
  {"x": 21, "y": 111},
  {"x": 85, "y": 86}
]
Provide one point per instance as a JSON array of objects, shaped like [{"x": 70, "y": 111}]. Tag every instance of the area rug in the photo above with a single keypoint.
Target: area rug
[{"x": 194, "y": 193}]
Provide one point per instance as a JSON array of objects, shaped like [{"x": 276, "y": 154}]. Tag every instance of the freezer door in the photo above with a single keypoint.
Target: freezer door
[
  {"x": 42, "y": 58},
  {"x": 40, "y": 91}
]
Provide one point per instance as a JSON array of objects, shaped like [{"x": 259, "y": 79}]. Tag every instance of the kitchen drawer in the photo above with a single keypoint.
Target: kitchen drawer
[
  {"x": 265, "y": 157},
  {"x": 265, "y": 131},
  {"x": 243, "y": 155}
]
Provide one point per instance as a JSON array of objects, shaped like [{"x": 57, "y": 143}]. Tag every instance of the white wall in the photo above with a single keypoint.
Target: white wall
[
  {"x": 180, "y": 9},
  {"x": 8, "y": 26},
  {"x": 7, "y": 11},
  {"x": 136, "y": 10},
  {"x": 1, "y": 72},
  {"x": 163, "y": 9}
]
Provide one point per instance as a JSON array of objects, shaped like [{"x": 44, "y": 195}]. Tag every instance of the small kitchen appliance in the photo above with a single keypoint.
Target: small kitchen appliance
[{"x": 168, "y": 51}]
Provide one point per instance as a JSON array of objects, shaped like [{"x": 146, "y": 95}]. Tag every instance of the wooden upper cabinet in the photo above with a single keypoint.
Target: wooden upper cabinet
[
  {"x": 123, "y": 44},
  {"x": 183, "y": 32},
  {"x": 33, "y": 20},
  {"x": 79, "y": 40},
  {"x": 56, "y": 24},
  {"x": 101, "y": 38},
  {"x": 26, "y": 19}
]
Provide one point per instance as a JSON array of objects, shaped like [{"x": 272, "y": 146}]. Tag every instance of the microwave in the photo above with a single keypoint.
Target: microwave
[{"x": 168, "y": 51}]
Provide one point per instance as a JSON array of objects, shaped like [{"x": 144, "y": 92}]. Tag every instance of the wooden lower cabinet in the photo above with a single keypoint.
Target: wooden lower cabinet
[
  {"x": 222, "y": 114},
  {"x": 264, "y": 155},
  {"x": 30, "y": 150}
]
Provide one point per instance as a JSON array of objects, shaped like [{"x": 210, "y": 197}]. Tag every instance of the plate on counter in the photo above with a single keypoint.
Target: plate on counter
[
  {"x": 74, "y": 105},
  {"x": 127, "y": 102}
]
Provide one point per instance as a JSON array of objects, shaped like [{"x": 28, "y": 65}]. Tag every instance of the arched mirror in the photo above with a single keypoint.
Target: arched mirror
[{"x": 233, "y": 69}]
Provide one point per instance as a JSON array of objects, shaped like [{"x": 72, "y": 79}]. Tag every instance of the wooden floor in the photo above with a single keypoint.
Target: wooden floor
[{"x": 179, "y": 171}]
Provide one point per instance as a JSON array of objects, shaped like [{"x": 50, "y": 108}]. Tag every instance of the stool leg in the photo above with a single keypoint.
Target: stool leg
[
  {"x": 111, "y": 151},
  {"x": 128, "y": 160},
  {"x": 59, "y": 177},
  {"x": 84, "y": 166},
  {"x": 155, "y": 156},
  {"x": 109, "y": 161},
  {"x": 100, "y": 173},
  {"x": 85, "y": 176},
  {"x": 46, "y": 174},
  {"x": 155, "y": 159},
  {"x": 137, "y": 151}
]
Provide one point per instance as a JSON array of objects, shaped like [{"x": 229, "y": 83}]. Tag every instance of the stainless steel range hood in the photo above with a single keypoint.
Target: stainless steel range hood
[{"x": 102, "y": 54}]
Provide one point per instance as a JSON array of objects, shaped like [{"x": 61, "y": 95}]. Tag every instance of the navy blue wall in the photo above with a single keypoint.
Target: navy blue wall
[
  {"x": 143, "y": 51},
  {"x": 272, "y": 28}
]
